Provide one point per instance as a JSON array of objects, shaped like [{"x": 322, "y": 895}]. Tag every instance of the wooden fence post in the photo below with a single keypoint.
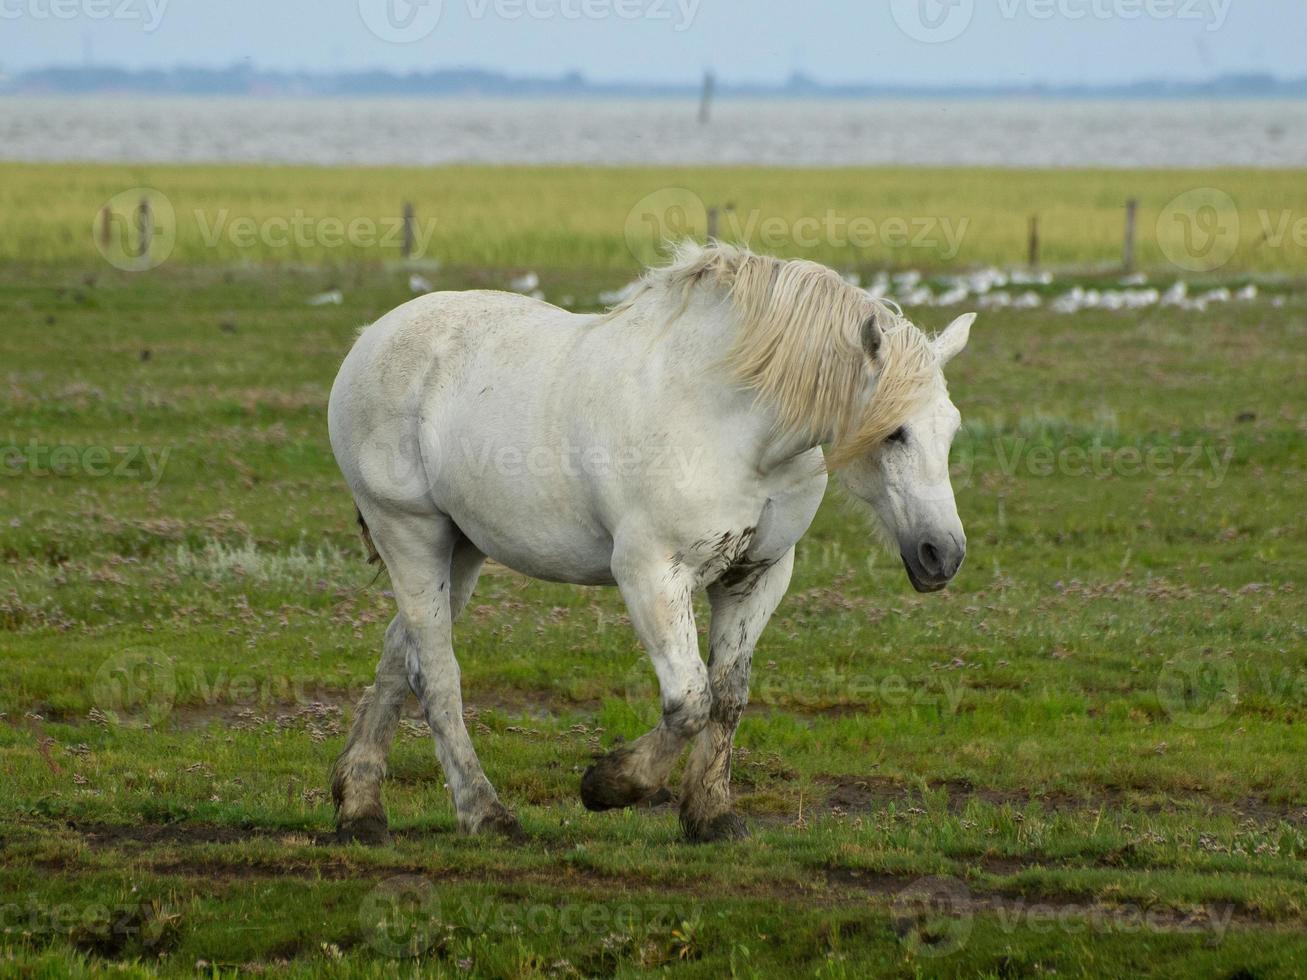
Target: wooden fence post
[
  {"x": 1033, "y": 253},
  {"x": 145, "y": 227},
  {"x": 705, "y": 99},
  {"x": 409, "y": 237},
  {"x": 712, "y": 223},
  {"x": 1131, "y": 216}
]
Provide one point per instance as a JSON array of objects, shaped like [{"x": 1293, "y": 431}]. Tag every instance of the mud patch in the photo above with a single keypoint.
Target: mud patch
[
  {"x": 924, "y": 896},
  {"x": 851, "y": 795}
]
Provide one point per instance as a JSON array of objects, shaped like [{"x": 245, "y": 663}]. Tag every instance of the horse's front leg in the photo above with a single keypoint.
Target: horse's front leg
[
  {"x": 742, "y": 604},
  {"x": 658, "y": 596}
]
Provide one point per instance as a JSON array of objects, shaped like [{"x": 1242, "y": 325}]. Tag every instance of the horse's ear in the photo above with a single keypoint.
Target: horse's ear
[
  {"x": 871, "y": 336},
  {"x": 949, "y": 344}
]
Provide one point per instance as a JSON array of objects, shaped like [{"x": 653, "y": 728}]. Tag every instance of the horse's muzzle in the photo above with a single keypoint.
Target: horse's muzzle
[{"x": 931, "y": 564}]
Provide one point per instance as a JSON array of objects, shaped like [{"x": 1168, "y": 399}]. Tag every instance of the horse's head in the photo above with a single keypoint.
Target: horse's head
[{"x": 905, "y": 477}]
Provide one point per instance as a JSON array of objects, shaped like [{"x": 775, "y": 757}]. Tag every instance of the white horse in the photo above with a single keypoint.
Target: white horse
[{"x": 669, "y": 445}]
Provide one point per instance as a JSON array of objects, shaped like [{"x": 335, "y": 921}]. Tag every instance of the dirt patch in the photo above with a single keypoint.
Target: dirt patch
[
  {"x": 104, "y": 835},
  {"x": 861, "y": 794},
  {"x": 834, "y": 887},
  {"x": 916, "y": 898}
]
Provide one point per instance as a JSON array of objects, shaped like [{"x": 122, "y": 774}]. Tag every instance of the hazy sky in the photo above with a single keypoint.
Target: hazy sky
[{"x": 908, "y": 41}]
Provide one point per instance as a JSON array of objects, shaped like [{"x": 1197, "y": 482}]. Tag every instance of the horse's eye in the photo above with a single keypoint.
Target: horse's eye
[{"x": 898, "y": 435}]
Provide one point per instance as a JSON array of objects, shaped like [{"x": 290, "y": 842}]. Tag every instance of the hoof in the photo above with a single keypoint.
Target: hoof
[
  {"x": 723, "y": 827},
  {"x": 606, "y": 786},
  {"x": 659, "y": 797},
  {"x": 369, "y": 829},
  {"x": 501, "y": 822}
]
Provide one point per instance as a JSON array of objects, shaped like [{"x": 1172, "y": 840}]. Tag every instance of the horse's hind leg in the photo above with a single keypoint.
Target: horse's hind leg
[
  {"x": 356, "y": 777},
  {"x": 356, "y": 782},
  {"x": 740, "y": 610},
  {"x": 659, "y": 601}
]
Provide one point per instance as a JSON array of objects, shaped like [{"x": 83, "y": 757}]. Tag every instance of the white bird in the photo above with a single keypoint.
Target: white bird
[
  {"x": 1029, "y": 300},
  {"x": 986, "y": 279},
  {"x": 952, "y": 297},
  {"x": 1137, "y": 279},
  {"x": 419, "y": 285},
  {"x": 525, "y": 283},
  {"x": 916, "y": 297},
  {"x": 1138, "y": 298},
  {"x": 1248, "y": 293},
  {"x": 879, "y": 287},
  {"x": 907, "y": 280},
  {"x": 332, "y": 297},
  {"x": 993, "y": 301},
  {"x": 1175, "y": 296},
  {"x": 1221, "y": 295},
  {"x": 1072, "y": 302}
]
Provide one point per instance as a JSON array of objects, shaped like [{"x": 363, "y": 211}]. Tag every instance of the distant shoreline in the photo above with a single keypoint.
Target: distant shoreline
[{"x": 242, "y": 82}]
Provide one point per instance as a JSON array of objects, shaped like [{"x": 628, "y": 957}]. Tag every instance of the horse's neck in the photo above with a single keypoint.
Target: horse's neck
[{"x": 694, "y": 335}]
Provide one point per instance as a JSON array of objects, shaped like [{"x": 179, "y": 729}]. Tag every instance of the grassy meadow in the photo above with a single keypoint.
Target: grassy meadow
[
  {"x": 584, "y": 219},
  {"x": 1085, "y": 758}
]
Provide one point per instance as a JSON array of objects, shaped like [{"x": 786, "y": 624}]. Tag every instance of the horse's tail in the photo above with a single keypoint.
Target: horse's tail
[{"x": 374, "y": 558}]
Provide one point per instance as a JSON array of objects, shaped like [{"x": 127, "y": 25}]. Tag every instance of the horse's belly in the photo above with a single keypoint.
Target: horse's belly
[
  {"x": 570, "y": 560},
  {"x": 532, "y": 537}
]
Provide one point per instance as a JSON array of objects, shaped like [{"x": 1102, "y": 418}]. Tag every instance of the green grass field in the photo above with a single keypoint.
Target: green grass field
[
  {"x": 601, "y": 219},
  {"x": 1084, "y": 759}
]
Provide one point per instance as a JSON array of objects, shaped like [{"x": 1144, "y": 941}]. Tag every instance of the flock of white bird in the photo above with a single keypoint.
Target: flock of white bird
[{"x": 986, "y": 289}]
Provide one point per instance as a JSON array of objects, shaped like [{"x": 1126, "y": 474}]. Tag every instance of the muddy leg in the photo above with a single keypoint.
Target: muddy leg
[
  {"x": 659, "y": 601},
  {"x": 434, "y": 570},
  {"x": 740, "y": 611},
  {"x": 357, "y": 775}
]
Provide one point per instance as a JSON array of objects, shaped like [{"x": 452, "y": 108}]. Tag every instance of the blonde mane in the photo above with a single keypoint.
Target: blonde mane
[{"x": 799, "y": 344}]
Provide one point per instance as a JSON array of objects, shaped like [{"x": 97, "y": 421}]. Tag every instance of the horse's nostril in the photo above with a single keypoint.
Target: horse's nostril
[{"x": 929, "y": 556}]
